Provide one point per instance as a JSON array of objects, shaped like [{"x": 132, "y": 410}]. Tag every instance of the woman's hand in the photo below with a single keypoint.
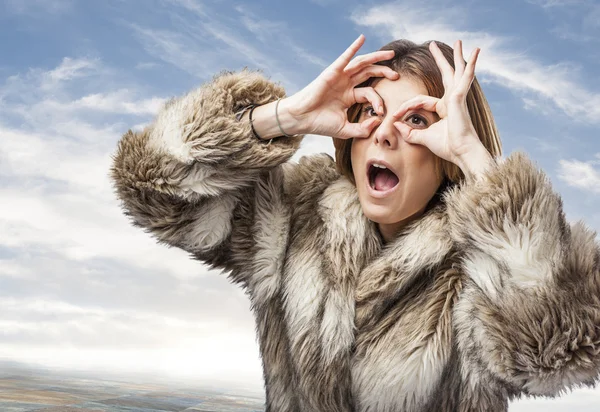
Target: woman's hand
[
  {"x": 453, "y": 137},
  {"x": 321, "y": 107}
]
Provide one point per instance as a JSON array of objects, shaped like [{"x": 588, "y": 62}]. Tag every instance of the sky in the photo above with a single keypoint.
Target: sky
[{"x": 80, "y": 288}]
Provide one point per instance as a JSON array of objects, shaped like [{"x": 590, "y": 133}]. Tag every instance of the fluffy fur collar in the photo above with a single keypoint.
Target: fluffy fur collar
[
  {"x": 352, "y": 240},
  {"x": 357, "y": 281}
]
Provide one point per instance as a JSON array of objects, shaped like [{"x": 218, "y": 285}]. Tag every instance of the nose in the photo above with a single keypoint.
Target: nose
[{"x": 386, "y": 134}]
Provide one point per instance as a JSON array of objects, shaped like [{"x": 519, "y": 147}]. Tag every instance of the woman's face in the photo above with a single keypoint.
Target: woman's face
[{"x": 393, "y": 196}]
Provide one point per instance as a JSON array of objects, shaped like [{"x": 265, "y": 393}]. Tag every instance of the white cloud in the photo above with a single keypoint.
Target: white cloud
[
  {"x": 577, "y": 20},
  {"x": 56, "y": 168},
  {"x": 325, "y": 3},
  {"x": 178, "y": 50},
  {"x": 566, "y": 32},
  {"x": 95, "y": 326},
  {"x": 21, "y": 86},
  {"x": 57, "y": 334},
  {"x": 546, "y": 146},
  {"x": 267, "y": 31},
  {"x": 69, "y": 69},
  {"x": 146, "y": 65},
  {"x": 106, "y": 295},
  {"x": 580, "y": 399},
  {"x": 224, "y": 360},
  {"x": 582, "y": 175},
  {"x": 500, "y": 62},
  {"x": 39, "y": 8},
  {"x": 312, "y": 144},
  {"x": 82, "y": 226},
  {"x": 238, "y": 47},
  {"x": 118, "y": 101},
  {"x": 557, "y": 3},
  {"x": 217, "y": 40}
]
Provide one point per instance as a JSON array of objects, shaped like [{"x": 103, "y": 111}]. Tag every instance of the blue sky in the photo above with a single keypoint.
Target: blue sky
[{"x": 81, "y": 288}]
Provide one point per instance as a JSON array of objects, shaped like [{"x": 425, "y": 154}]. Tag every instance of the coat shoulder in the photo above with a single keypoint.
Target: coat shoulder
[{"x": 306, "y": 180}]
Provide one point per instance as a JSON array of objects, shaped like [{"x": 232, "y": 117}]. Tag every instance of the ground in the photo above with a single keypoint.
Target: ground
[{"x": 23, "y": 389}]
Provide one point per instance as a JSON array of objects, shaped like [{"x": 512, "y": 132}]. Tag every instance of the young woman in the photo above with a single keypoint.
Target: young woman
[{"x": 415, "y": 272}]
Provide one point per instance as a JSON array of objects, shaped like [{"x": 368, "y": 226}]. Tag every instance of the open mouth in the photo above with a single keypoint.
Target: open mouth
[{"x": 381, "y": 177}]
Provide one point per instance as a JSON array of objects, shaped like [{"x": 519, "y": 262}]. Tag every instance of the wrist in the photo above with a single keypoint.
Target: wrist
[
  {"x": 265, "y": 124},
  {"x": 475, "y": 162},
  {"x": 291, "y": 119}
]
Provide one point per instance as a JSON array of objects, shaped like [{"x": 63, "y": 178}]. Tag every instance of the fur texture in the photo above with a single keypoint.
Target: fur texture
[{"x": 488, "y": 296}]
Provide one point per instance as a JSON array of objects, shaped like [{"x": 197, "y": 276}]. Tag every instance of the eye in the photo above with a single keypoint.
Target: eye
[
  {"x": 417, "y": 120},
  {"x": 369, "y": 111}
]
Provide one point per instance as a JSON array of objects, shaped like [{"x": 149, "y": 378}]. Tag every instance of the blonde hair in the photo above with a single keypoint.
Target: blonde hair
[{"x": 417, "y": 61}]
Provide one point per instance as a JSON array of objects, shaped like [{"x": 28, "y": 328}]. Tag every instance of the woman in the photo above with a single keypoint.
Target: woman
[{"x": 416, "y": 272}]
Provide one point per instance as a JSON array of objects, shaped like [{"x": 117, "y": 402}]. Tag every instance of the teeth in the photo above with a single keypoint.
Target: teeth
[{"x": 379, "y": 166}]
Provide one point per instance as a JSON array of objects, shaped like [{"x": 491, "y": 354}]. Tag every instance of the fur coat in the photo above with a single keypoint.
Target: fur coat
[{"x": 490, "y": 295}]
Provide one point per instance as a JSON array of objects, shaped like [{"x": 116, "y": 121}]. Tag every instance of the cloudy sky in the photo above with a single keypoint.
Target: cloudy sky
[{"x": 81, "y": 288}]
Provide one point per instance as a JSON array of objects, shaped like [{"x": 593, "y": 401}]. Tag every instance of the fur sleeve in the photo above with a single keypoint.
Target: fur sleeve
[
  {"x": 529, "y": 314},
  {"x": 197, "y": 178}
]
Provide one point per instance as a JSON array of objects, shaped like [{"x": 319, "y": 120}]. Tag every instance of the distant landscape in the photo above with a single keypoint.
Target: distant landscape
[{"x": 24, "y": 388}]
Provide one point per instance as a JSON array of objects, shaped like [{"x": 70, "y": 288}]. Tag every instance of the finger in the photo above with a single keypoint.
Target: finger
[
  {"x": 403, "y": 128},
  {"x": 414, "y": 136},
  {"x": 445, "y": 67},
  {"x": 369, "y": 95},
  {"x": 441, "y": 61},
  {"x": 459, "y": 60},
  {"x": 469, "y": 74},
  {"x": 348, "y": 54},
  {"x": 365, "y": 60},
  {"x": 428, "y": 103},
  {"x": 362, "y": 129},
  {"x": 374, "y": 71}
]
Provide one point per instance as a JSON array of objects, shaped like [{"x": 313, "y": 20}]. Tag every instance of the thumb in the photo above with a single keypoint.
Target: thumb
[
  {"x": 410, "y": 135},
  {"x": 362, "y": 129}
]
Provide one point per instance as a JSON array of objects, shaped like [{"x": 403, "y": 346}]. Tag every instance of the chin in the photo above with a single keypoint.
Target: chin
[{"x": 381, "y": 214}]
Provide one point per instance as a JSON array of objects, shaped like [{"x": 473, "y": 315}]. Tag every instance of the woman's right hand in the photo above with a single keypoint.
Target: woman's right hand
[{"x": 321, "y": 107}]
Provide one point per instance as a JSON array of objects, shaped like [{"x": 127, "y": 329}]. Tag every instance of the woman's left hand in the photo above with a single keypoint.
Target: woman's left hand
[{"x": 453, "y": 137}]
